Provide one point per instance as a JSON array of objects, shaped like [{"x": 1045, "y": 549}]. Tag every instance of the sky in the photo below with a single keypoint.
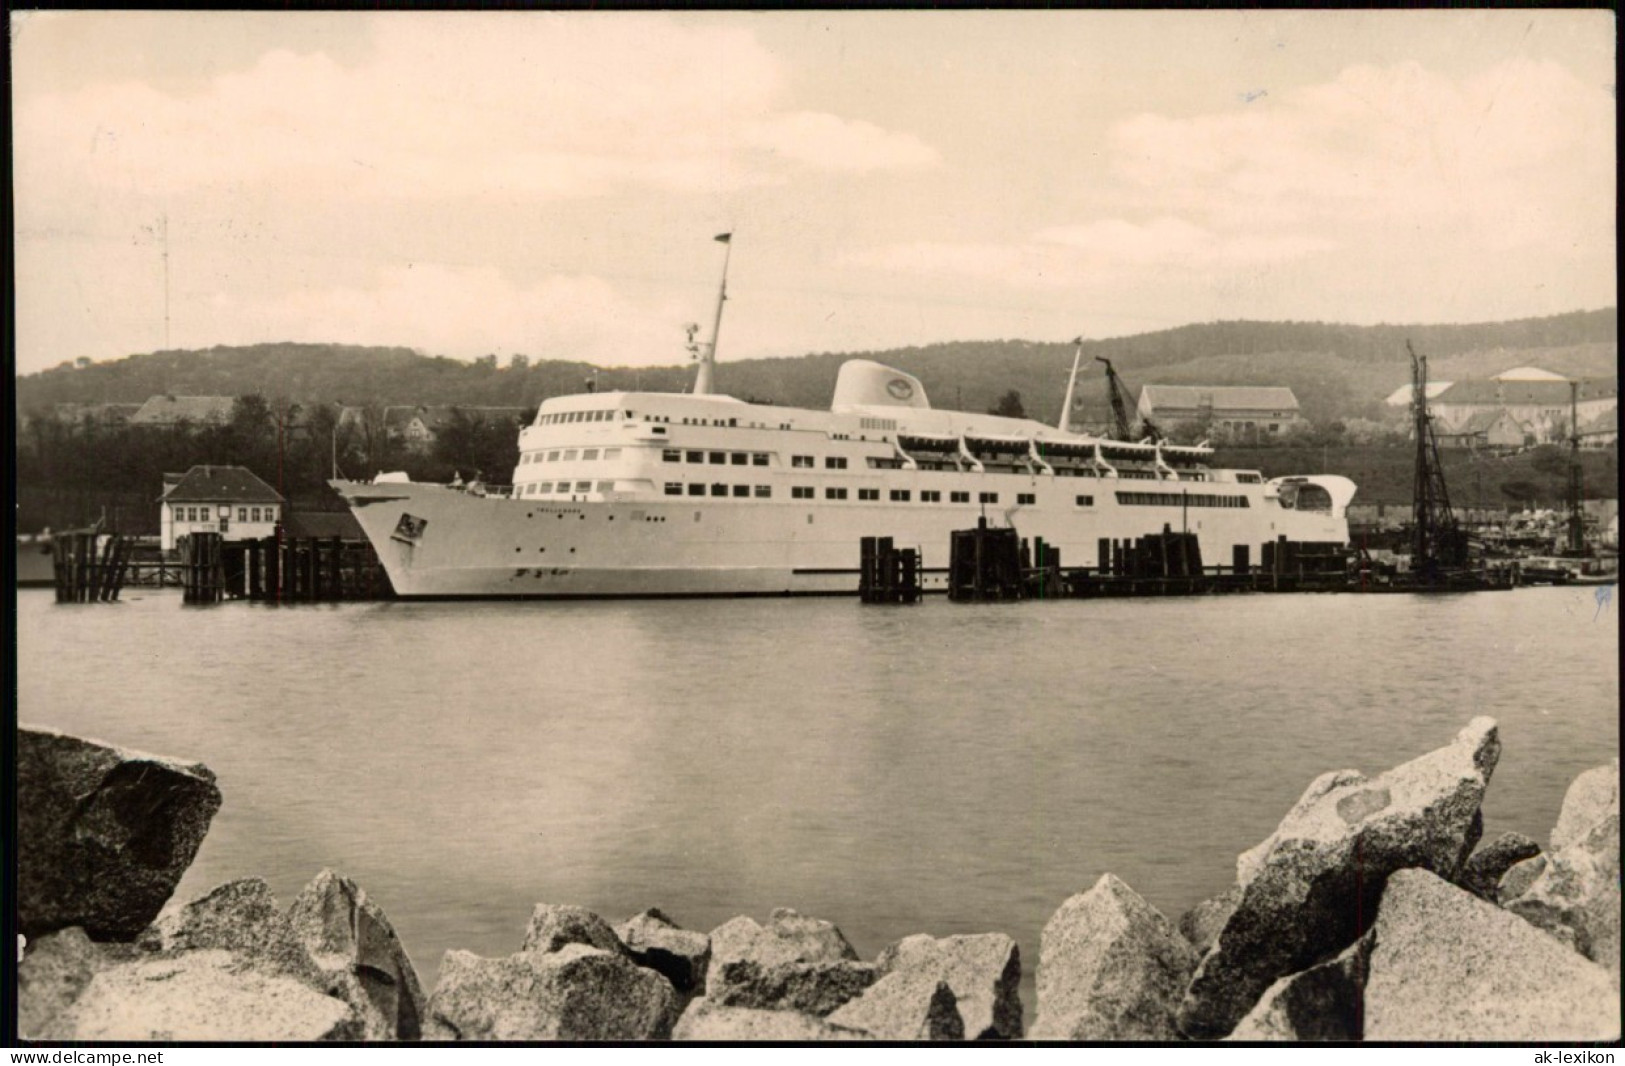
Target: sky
[{"x": 550, "y": 183}]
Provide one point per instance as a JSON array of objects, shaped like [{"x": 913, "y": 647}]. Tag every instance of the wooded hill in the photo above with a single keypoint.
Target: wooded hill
[{"x": 1337, "y": 371}]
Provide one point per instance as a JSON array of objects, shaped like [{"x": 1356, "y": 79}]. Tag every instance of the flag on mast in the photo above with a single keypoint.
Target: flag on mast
[{"x": 724, "y": 237}]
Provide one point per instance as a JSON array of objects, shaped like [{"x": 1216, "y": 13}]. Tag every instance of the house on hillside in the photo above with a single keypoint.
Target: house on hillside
[
  {"x": 164, "y": 411},
  {"x": 95, "y": 414},
  {"x": 229, "y": 500},
  {"x": 1540, "y": 405},
  {"x": 418, "y": 427},
  {"x": 1527, "y": 373},
  {"x": 1235, "y": 412},
  {"x": 1495, "y": 429},
  {"x": 1602, "y": 431}
]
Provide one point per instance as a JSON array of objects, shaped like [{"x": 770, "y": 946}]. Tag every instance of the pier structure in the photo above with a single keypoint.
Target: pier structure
[
  {"x": 89, "y": 566},
  {"x": 990, "y": 564},
  {"x": 888, "y": 574},
  {"x": 281, "y": 569}
]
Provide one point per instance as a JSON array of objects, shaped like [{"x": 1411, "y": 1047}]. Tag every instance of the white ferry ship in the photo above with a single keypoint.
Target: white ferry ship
[{"x": 701, "y": 494}]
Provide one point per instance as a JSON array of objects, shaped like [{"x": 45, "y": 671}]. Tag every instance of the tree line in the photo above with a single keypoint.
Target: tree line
[
  {"x": 67, "y": 469},
  {"x": 965, "y": 375}
]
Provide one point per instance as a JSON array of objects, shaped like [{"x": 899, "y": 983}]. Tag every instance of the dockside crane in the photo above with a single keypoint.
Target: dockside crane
[
  {"x": 1438, "y": 544},
  {"x": 1576, "y": 544},
  {"x": 1122, "y": 424}
]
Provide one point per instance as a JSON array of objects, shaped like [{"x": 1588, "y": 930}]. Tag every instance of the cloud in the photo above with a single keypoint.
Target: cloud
[
  {"x": 465, "y": 312},
  {"x": 1168, "y": 241},
  {"x": 832, "y": 143},
  {"x": 540, "y": 105},
  {"x": 1397, "y": 146},
  {"x": 1372, "y": 167}
]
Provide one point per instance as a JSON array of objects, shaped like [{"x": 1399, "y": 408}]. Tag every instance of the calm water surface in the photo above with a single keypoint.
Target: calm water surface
[{"x": 941, "y": 769}]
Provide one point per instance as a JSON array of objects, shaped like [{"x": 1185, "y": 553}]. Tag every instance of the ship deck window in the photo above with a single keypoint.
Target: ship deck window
[
  {"x": 930, "y": 496},
  {"x": 868, "y": 494},
  {"x": 834, "y": 494},
  {"x": 742, "y": 490},
  {"x": 1180, "y": 499},
  {"x": 739, "y": 458},
  {"x": 606, "y": 486},
  {"x": 719, "y": 490},
  {"x": 835, "y": 462},
  {"x": 553, "y": 455},
  {"x": 959, "y": 497},
  {"x": 569, "y": 453},
  {"x": 764, "y": 492},
  {"x": 696, "y": 490},
  {"x": 988, "y": 497},
  {"x": 612, "y": 453},
  {"x": 583, "y": 486},
  {"x": 758, "y": 459},
  {"x": 674, "y": 488},
  {"x": 900, "y": 495},
  {"x": 1084, "y": 501},
  {"x": 801, "y": 461},
  {"x": 694, "y": 457},
  {"x": 1026, "y": 499},
  {"x": 589, "y": 453},
  {"x": 719, "y": 458},
  {"x": 671, "y": 455}
]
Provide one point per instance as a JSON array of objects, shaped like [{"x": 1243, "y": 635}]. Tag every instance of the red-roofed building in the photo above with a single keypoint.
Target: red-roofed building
[{"x": 229, "y": 500}]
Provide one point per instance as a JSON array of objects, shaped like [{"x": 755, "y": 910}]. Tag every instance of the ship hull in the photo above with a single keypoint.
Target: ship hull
[{"x": 440, "y": 543}]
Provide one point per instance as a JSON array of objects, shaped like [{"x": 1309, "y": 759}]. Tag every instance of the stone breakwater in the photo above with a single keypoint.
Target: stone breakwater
[{"x": 1371, "y": 912}]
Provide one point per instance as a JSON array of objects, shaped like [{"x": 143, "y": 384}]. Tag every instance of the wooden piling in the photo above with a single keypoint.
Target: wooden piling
[{"x": 887, "y": 574}]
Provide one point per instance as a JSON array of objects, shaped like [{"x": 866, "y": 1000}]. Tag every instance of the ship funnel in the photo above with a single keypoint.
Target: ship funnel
[{"x": 862, "y": 383}]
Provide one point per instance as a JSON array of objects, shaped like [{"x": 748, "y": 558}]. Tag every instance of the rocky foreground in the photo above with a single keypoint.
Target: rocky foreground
[{"x": 1370, "y": 913}]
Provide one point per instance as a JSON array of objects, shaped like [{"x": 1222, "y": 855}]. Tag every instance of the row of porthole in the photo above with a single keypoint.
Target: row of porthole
[{"x": 583, "y": 517}]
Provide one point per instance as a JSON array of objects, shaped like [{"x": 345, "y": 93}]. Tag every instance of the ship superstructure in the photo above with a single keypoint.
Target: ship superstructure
[
  {"x": 636, "y": 493},
  {"x": 672, "y": 494}
]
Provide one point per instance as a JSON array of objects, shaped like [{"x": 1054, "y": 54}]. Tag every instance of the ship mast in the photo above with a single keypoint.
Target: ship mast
[
  {"x": 1071, "y": 385},
  {"x": 705, "y": 376}
]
